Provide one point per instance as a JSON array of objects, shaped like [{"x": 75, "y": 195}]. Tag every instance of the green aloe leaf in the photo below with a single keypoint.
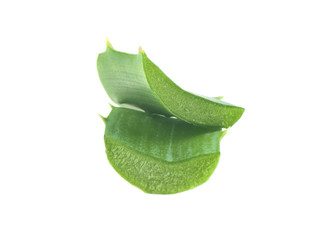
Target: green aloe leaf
[
  {"x": 158, "y": 154},
  {"x": 134, "y": 79}
]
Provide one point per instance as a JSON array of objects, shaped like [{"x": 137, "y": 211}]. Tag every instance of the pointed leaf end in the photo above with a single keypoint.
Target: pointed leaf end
[
  {"x": 223, "y": 133},
  {"x": 141, "y": 50},
  {"x": 111, "y": 105},
  {"x": 108, "y": 43},
  {"x": 103, "y": 118}
]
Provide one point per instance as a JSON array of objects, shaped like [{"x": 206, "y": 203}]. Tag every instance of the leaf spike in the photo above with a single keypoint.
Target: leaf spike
[
  {"x": 219, "y": 97},
  {"x": 223, "y": 133},
  {"x": 103, "y": 118},
  {"x": 111, "y": 105},
  {"x": 108, "y": 43},
  {"x": 141, "y": 50}
]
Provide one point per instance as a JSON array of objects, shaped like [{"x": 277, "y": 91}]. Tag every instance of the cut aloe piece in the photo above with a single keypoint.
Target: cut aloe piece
[
  {"x": 134, "y": 79},
  {"x": 158, "y": 154}
]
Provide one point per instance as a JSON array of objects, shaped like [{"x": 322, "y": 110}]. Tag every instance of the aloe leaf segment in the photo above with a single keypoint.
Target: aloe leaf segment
[
  {"x": 134, "y": 79},
  {"x": 158, "y": 154}
]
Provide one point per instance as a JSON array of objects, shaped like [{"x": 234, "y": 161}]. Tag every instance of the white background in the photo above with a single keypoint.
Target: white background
[{"x": 274, "y": 177}]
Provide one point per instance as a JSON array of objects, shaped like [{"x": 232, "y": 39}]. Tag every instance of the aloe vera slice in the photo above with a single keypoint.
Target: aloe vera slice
[
  {"x": 160, "y": 155},
  {"x": 134, "y": 79}
]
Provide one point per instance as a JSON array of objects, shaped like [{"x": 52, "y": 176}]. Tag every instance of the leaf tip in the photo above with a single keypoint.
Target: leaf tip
[
  {"x": 223, "y": 133},
  {"x": 103, "y": 118},
  {"x": 141, "y": 50},
  {"x": 108, "y": 43}
]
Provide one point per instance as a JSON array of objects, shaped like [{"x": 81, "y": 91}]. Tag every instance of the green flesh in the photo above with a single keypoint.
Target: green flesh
[
  {"x": 136, "y": 80},
  {"x": 158, "y": 154}
]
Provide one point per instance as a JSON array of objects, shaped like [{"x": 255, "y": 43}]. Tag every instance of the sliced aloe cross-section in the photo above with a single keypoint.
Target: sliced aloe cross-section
[
  {"x": 159, "y": 154},
  {"x": 134, "y": 79}
]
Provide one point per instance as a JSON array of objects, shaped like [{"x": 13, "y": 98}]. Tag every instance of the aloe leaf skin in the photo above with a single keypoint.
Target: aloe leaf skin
[
  {"x": 134, "y": 79},
  {"x": 160, "y": 155}
]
